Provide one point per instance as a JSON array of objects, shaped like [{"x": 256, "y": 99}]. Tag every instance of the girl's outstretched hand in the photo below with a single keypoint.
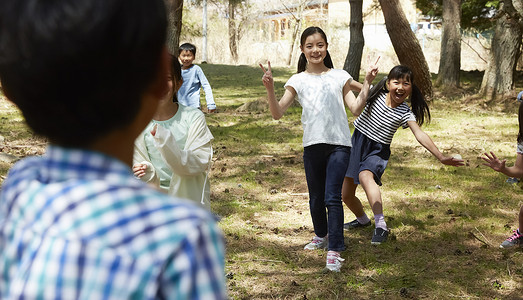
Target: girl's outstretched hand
[
  {"x": 494, "y": 162},
  {"x": 267, "y": 80},
  {"x": 452, "y": 161}
]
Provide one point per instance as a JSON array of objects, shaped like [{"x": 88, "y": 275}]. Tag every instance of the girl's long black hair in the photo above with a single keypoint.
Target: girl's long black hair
[
  {"x": 520, "y": 120},
  {"x": 302, "y": 62},
  {"x": 418, "y": 104}
]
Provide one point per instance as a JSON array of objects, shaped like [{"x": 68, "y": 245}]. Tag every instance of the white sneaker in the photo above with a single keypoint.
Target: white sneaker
[
  {"x": 317, "y": 243},
  {"x": 334, "y": 261}
]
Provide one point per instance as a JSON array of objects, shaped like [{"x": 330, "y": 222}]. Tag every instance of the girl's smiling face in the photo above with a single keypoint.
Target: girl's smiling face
[
  {"x": 399, "y": 89},
  {"x": 314, "y": 48}
]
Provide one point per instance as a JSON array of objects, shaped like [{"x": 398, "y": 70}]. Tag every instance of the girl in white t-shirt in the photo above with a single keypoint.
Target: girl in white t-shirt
[
  {"x": 322, "y": 92},
  {"x": 385, "y": 111},
  {"x": 174, "y": 151},
  {"x": 516, "y": 239}
]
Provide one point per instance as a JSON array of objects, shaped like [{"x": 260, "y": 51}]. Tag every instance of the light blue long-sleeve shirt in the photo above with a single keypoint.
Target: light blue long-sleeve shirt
[{"x": 189, "y": 93}]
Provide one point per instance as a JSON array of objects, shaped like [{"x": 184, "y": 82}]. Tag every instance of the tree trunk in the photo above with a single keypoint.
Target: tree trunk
[
  {"x": 357, "y": 41},
  {"x": 295, "y": 39},
  {"x": 406, "y": 45},
  {"x": 506, "y": 42},
  {"x": 296, "y": 31},
  {"x": 450, "y": 57},
  {"x": 233, "y": 36},
  {"x": 174, "y": 18}
]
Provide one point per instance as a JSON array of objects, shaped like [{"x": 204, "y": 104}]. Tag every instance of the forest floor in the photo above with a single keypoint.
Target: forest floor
[{"x": 446, "y": 223}]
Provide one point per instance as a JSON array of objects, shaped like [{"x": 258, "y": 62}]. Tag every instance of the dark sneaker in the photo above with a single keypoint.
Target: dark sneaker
[
  {"x": 355, "y": 224},
  {"x": 515, "y": 239},
  {"x": 380, "y": 236}
]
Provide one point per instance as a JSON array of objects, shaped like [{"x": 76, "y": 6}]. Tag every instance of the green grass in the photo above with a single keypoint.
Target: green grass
[{"x": 438, "y": 214}]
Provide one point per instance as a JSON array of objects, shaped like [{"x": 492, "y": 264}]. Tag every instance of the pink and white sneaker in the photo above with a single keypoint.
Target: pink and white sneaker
[
  {"x": 317, "y": 243},
  {"x": 334, "y": 261}
]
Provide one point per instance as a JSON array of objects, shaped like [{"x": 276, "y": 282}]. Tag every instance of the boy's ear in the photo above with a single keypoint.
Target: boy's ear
[{"x": 160, "y": 87}]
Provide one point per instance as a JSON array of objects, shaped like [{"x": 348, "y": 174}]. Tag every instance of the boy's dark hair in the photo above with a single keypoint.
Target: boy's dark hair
[
  {"x": 419, "y": 106},
  {"x": 79, "y": 70},
  {"x": 187, "y": 47},
  {"x": 176, "y": 74},
  {"x": 302, "y": 62}
]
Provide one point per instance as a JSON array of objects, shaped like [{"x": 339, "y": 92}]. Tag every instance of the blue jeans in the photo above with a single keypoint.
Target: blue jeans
[{"x": 325, "y": 167}]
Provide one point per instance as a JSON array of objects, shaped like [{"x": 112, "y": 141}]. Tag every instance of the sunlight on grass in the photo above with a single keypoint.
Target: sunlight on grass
[{"x": 446, "y": 223}]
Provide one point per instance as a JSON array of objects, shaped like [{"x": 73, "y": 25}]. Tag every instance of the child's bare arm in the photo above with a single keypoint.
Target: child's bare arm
[
  {"x": 277, "y": 108},
  {"x": 357, "y": 104},
  {"x": 425, "y": 140},
  {"x": 499, "y": 165}
]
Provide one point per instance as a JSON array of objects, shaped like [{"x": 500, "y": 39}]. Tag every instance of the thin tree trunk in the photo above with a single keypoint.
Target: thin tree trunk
[
  {"x": 296, "y": 32},
  {"x": 174, "y": 17},
  {"x": 506, "y": 42},
  {"x": 357, "y": 41},
  {"x": 406, "y": 44},
  {"x": 233, "y": 38},
  {"x": 450, "y": 57}
]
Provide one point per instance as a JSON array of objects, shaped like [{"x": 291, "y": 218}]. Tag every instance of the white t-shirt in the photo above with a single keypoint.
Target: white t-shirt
[{"x": 323, "y": 116}]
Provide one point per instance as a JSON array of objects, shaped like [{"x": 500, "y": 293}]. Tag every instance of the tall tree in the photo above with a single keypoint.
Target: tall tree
[
  {"x": 238, "y": 15},
  {"x": 450, "y": 56},
  {"x": 357, "y": 41},
  {"x": 233, "y": 31},
  {"x": 406, "y": 44},
  {"x": 297, "y": 16},
  {"x": 505, "y": 50},
  {"x": 174, "y": 16}
]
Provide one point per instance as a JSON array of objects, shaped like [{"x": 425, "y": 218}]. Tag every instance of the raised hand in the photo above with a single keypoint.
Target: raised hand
[
  {"x": 494, "y": 162},
  {"x": 372, "y": 71},
  {"x": 267, "y": 79}
]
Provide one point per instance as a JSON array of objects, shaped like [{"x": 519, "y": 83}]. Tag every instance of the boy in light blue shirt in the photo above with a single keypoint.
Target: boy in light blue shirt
[{"x": 193, "y": 80}]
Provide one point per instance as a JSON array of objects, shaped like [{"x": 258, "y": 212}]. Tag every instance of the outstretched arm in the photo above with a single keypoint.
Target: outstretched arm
[
  {"x": 357, "y": 104},
  {"x": 499, "y": 165},
  {"x": 427, "y": 142},
  {"x": 277, "y": 108}
]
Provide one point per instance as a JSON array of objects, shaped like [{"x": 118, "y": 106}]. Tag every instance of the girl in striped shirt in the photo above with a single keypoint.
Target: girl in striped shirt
[{"x": 384, "y": 113}]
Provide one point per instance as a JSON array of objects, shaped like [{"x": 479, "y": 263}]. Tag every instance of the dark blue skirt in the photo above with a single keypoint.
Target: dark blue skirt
[{"x": 367, "y": 154}]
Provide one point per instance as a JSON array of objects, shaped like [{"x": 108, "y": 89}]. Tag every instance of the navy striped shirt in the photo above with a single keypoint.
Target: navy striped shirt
[{"x": 379, "y": 122}]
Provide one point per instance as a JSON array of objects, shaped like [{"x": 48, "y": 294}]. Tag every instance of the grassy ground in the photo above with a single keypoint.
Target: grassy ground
[{"x": 447, "y": 223}]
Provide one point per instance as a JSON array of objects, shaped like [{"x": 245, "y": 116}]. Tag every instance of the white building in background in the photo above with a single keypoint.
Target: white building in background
[{"x": 278, "y": 22}]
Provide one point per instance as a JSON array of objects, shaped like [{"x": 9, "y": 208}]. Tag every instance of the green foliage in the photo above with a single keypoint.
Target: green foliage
[{"x": 475, "y": 14}]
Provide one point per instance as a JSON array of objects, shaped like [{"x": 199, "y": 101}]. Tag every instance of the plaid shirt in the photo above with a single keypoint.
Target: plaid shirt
[{"x": 75, "y": 224}]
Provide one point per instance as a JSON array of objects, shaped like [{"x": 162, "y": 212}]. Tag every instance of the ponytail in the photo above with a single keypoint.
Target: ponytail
[
  {"x": 380, "y": 87},
  {"x": 302, "y": 63},
  {"x": 328, "y": 61},
  {"x": 419, "y": 106}
]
